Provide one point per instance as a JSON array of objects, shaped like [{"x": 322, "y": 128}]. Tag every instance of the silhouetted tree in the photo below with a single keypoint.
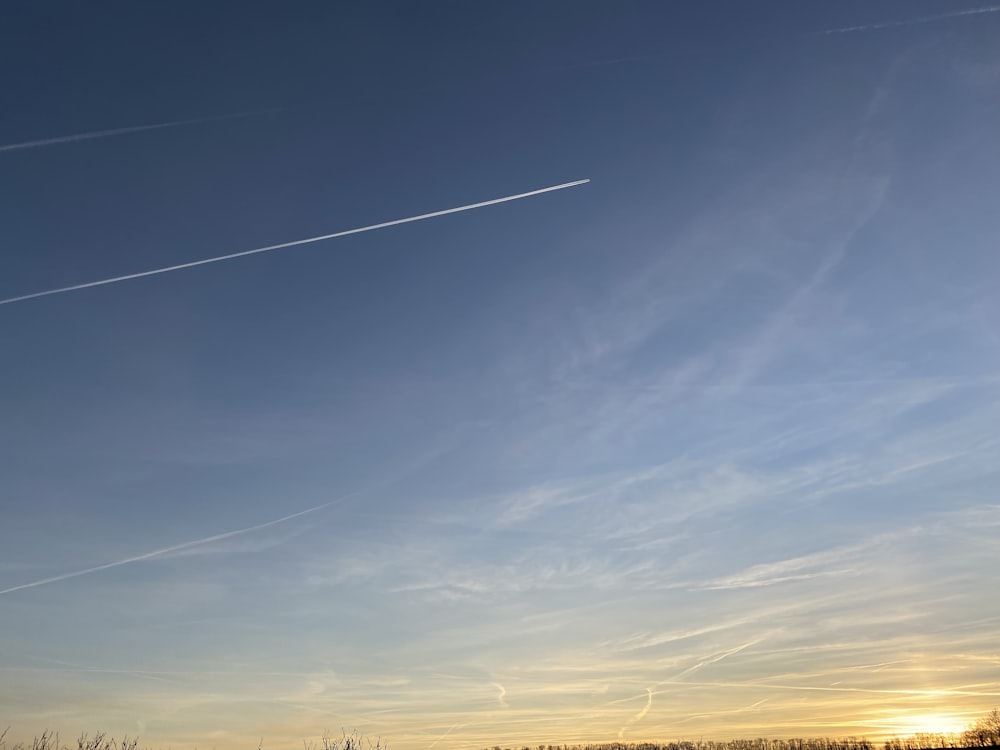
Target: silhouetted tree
[{"x": 985, "y": 732}]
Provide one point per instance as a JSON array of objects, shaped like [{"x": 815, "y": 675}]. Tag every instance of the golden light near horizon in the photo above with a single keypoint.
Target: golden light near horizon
[{"x": 927, "y": 723}]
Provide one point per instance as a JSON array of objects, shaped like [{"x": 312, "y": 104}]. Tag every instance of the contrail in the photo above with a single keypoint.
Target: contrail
[
  {"x": 282, "y": 245},
  {"x": 762, "y": 39},
  {"x": 714, "y": 658},
  {"x": 122, "y": 131},
  {"x": 914, "y": 21},
  {"x": 639, "y": 716},
  {"x": 166, "y": 550},
  {"x": 503, "y": 692},
  {"x": 452, "y": 729}
]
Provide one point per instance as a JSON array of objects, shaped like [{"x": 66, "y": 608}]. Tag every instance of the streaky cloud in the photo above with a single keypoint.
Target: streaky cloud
[
  {"x": 294, "y": 243},
  {"x": 167, "y": 550}
]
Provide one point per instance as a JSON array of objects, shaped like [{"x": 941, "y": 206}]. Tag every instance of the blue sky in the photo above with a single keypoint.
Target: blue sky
[{"x": 705, "y": 447}]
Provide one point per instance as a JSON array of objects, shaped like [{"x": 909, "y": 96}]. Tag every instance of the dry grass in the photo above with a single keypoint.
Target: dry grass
[
  {"x": 984, "y": 733},
  {"x": 101, "y": 741},
  {"x": 50, "y": 741}
]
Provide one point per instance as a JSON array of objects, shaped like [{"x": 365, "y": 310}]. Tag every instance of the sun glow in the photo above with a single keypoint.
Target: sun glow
[{"x": 928, "y": 723}]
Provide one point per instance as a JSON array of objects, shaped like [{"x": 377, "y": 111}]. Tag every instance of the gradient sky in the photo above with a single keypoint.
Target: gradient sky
[{"x": 706, "y": 447}]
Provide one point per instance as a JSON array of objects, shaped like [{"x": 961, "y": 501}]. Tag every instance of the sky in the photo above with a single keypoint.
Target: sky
[{"x": 704, "y": 447}]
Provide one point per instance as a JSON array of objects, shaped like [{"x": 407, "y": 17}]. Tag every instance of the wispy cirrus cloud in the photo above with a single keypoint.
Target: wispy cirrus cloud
[{"x": 818, "y": 564}]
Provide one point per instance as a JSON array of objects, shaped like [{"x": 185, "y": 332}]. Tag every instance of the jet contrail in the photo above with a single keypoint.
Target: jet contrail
[
  {"x": 166, "y": 550},
  {"x": 914, "y": 21},
  {"x": 282, "y": 245},
  {"x": 452, "y": 729},
  {"x": 639, "y": 716},
  {"x": 572, "y": 66},
  {"x": 503, "y": 692},
  {"x": 762, "y": 39},
  {"x": 712, "y": 659},
  {"x": 122, "y": 131}
]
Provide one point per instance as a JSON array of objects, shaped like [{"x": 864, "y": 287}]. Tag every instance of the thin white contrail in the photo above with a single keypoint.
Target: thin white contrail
[
  {"x": 914, "y": 21},
  {"x": 122, "y": 131},
  {"x": 282, "y": 245},
  {"x": 166, "y": 550}
]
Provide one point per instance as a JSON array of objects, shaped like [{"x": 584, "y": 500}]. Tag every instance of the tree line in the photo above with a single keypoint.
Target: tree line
[{"x": 983, "y": 733}]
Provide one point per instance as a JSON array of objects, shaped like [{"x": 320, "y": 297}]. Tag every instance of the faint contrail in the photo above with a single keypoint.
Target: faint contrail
[
  {"x": 166, "y": 550},
  {"x": 307, "y": 241},
  {"x": 714, "y": 658},
  {"x": 122, "y": 131},
  {"x": 914, "y": 21},
  {"x": 678, "y": 53},
  {"x": 452, "y": 729}
]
